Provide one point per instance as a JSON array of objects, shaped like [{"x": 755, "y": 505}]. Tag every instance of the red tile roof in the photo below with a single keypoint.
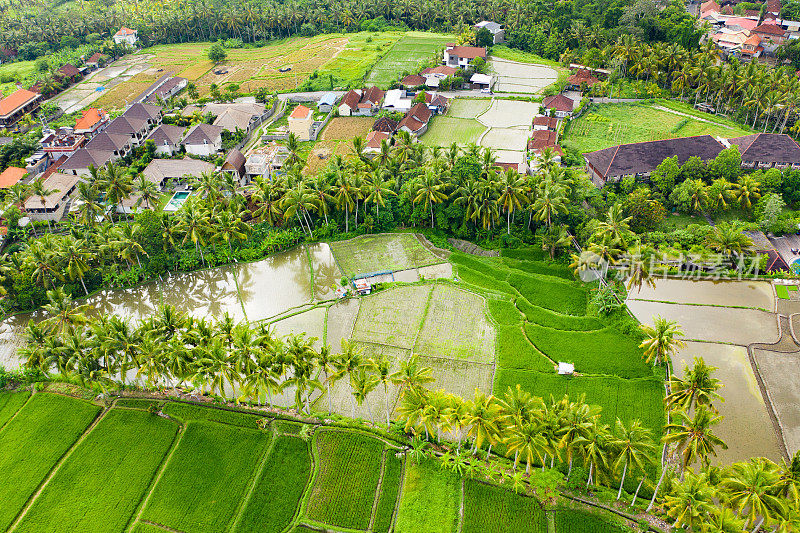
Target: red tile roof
[
  {"x": 441, "y": 69},
  {"x": 125, "y": 31},
  {"x": 351, "y": 99},
  {"x": 90, "y": 117},
  {"x": 10, "y": 176},
  {"x": 468, "y": 52},
  {"x": 69, "y": 70},
  {"x": 15, "y": 100},
  {"x": 413, "y": 80},
  {"x": 374, "y": 138},
  {"x": 770, "y": 28},
  {"x": 301, "y": 111},
  {"x": 559, "y": 102}
]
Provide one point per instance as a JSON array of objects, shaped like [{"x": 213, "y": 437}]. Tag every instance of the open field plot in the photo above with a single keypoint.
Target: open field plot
[
  {"x": 573, "y": 521},
  {"x": 509, "y": 114},
  {"x": 444, "y": 130},
  {"x": 341, "y": 320},
  {"x": 393, "y": 465},
  {"x": 431, "y": 496},
  {"x": 324, "y": 271},
  {"x": 311, "y": 323},
  {"x": 117, "y": 95},
  {"x": 10, "y": 403},
  {"x": 755, "y": 294},
  {"x": 468, "y": 107},
  {"x": 456, "y": 326},
  {"x": 517, "y": 77},
  {"x": 376, "y": 253},
  {"x": 347, "y": 128},
  {"x": 392, "y": 317},
  {"x": 409, "y": 54},
  {"x": 323, "y": 152},
  {"x": 781, "y": 377},
  {"x": 206, "y": 477},
  {"x": 277, "y": 492},
  {"x": 349, "y": 467},
  {"x": 611, "y": 124},
  {"x": 115, "y": 462},
  {"x": 32, "y": 443},
  {"x": 461, "y": 378},
  {"x": 185, "y": 413},
  {"x": 489, "y": 508}
]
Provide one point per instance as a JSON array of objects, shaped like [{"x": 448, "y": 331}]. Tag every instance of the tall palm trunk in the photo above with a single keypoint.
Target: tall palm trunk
[{"x": 622, "y": 482}]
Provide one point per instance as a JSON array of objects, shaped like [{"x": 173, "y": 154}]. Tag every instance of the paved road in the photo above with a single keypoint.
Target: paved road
[{"x": 315, "y": 95}]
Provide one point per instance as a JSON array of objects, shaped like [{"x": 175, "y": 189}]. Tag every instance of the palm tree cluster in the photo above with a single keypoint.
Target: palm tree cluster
[
  {"x": 759, "y": 95},
  {"x": 533, "y": 431},
  {"x": 236, "y": 361}
]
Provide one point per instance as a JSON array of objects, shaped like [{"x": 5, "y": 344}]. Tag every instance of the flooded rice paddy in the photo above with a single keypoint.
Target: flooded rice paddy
[{"x": 721, "y": 320}]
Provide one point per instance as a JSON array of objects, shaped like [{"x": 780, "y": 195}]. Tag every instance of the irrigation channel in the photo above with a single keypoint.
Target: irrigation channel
[{"x": 731, "y": 324}]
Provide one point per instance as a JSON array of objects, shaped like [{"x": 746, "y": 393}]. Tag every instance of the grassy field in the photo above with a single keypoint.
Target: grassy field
[
  {"x": 390, "y": 487},
  {"x": 278, "y": 489},
  {"x": 206, "y": 477},
  {"x": 375, "y": 253},
  {"x": 14, "y": 71},
  {"x": 607, "y": 125},
  {"x": 33, "y": 442},
  {"x": 116, "y": 462},
  {"x": 489, "y": 508},
  {"x": 444, "y": 131},
  {"x": 343, "y": 492},
  {"x": 432, "y": 496},
  {"x": 520, "y": 56},
  {"x": 409, "y": 54},
  {"x": 392, "y": 317},
  {"x": 468, "y": 107}
]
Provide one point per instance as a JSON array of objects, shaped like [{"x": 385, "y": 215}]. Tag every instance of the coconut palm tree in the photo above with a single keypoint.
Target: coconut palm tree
[
  {"x": 428, "y": 189},
  {"x": 551, "y": 200},
  {"x": 690, "y": 501},
  {"x": 661, "y": 340},
  {"x": 729, "y": 240},
  {"x": 511, "y": 188},
  {"x": 634, "y": 448},
  {"x": 362, "y": 383},
  {"x": 482, "y": 420},
  {"x": 526, "y": 441},
  {"x": 411, "y": 375},
  {"x": 61, "y": 311},
  {"x": 147, "y": 193},
  {"x": 693, "y": 436},
  {"x": 750, "y": 490},
  {"x": 698, "y": 388},
  {"x": 615, "y": 229},
  {"x": 117, "y": 186},
  {"x": 76, "y": 259}
]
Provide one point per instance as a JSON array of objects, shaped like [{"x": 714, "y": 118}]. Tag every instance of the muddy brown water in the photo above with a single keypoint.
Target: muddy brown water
[
  {"x": 746, "y": 427},
  {"x": 247, "y": 291},
  {"x": 738, "y": 293}
]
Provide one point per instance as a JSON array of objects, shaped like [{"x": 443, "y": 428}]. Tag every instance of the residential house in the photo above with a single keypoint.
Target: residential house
[
  {"x": 434, "y": 75},
  {"x": 640, "y": 159},
  {"x": 752, "y": 46},
  {"x": 462, "y": 56},
  {"x": 542, "y": 139},
  {"x": 373, "y": 141},
  {"x": 167, "y": 139},
  {"x": 265, "y": 161},
  {"x": 772, "y": 36},
  {"x": 386, "y": 125},
  {"x": 119, "y": 145},
  {"x": 235, "y": 166},
  {"x": 69, "y": 73},
  {"x": 791, "y": 27},
  {"x": 97, "y": 60},
  {"x": 497, "y": 31},
  {"x": 730, "y": 41},
  {"x": 397, "y": 100},
  {"x": 579, "y": 77},
  {"x": 53, "y": 206},
  {"x": 79, "y": 163},
  {"x": 175, "y": 171},
  {"x": 481, "y": 81},
  {"x": 92, "y": 120},
  {"x": 559, "y": 105},
  {"x": 126, "y": 36},
  {"x": 365, "y": 102},
  {"x": 11, "y": 176},
  {"x": 412, "y": 80},
  {"x": 238, "y": 118},
  {"x": 709, "y": 7},
  {"x": 152, "y": 114},
  {"x": 301, "y": 122},
  {"x": 203, "y": 140},
  {"x": 63, "y": 141},
  {"x": 167, "y": 90},
  {"x": 741, "y": 23},
  {"x": 16, "y": 105},
  {"x": 541, "y": 122},
  {"x": 135, "y": 128},
  {"x": 326, "y": 102},
  {"x": 768, "y": 150},
  {"x": 437, "y": 103},
  {"x": 416, "y": 120}
]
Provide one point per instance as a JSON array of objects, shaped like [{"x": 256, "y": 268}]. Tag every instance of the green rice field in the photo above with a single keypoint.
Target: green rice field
[
  {"x": 607, "y": 125},
  {"x": 444, "y": 130},
  {"x": 376, "y": 253},
  {"x": 206, "y": 469},
  {"x": 410, "y": 53}
]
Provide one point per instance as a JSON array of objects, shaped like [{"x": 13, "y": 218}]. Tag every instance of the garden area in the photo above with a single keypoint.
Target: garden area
[
  {"x": 410, "y": 54},
  {"x": 201, "y": 469},
  {"x": 605, "y": 125}
]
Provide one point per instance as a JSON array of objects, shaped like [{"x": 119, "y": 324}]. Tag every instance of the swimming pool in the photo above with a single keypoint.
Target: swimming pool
[{"x": 177, "y": 201}]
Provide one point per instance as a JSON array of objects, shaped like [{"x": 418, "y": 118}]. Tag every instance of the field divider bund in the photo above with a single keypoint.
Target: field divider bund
[
  {"x": 17, "y": 412},
  {"x": 56, "y": 468},
  {"x": 400, "y": 488},
  {"x": 378, "y": 490},
  {"x": 161, "y": 526},
  {"x": 175, "y": 443}
]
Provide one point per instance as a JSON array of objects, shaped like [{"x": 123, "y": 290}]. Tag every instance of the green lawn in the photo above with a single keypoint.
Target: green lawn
[
  {"x": 444, "y": 131},
  {"x": 431, "y": 496},
  {"x": 32, "y": 443},
  {"x": 347, "y": 476},
  {"x": 206, "y": 477},
  {"x": 605, "y": 125},
  {"x": 115, "y": 463},
  {"x": 409, "y": 54},
  {"x": 278, "y": 490}
]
